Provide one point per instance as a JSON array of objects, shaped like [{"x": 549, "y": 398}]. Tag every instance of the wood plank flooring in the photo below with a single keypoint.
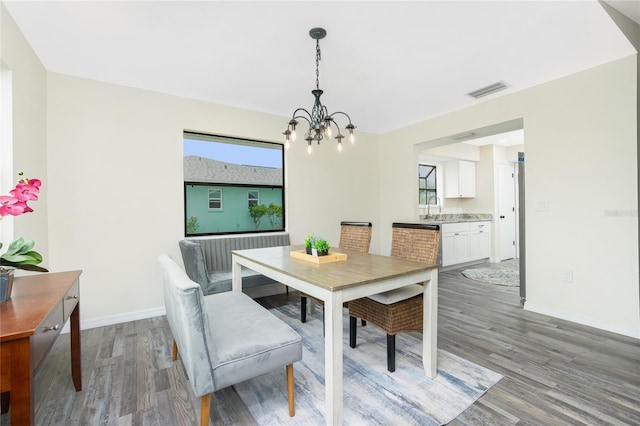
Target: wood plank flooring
[{"x": 556, "y": 372}]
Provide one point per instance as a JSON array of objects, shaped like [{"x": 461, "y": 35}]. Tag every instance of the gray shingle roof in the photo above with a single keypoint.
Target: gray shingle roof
[{"x": 200, "y": 169}]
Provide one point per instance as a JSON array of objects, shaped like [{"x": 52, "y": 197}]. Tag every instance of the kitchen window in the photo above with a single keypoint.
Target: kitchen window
[{"x": 427, "y": 192}]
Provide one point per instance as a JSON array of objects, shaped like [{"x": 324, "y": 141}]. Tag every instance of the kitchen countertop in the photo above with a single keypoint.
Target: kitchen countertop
[{"x": 438, "y": 219}]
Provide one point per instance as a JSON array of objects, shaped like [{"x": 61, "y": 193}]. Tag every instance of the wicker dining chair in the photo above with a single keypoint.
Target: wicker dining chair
[
  {"x": 354, "y": 236},
  {"x": 399, "y": 310}
]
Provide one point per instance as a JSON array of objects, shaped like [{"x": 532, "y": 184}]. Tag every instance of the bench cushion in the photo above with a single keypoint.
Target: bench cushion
[
  {"x": 223, "y": 338},
  {"x": 257, "y": 341}
]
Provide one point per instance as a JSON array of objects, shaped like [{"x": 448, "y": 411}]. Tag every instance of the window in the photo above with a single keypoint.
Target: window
[
  {"x": 215, "y": 199},
  {"x": 253, "y": 198},
  {"x": 232, "y": 185},
  {"x": 427, "y": 193}
]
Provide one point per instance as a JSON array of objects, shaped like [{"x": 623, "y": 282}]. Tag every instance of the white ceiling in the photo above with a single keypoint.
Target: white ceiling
[{"x": 387, "y": 64}]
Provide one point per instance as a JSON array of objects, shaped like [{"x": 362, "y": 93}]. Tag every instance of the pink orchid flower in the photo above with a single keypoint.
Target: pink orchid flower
[
  {"x": 24, "y": 205},
  {"x": 35, "y": 182},
  {"x": 26, "y": 191},
  {"x": 12, "y": 206}
]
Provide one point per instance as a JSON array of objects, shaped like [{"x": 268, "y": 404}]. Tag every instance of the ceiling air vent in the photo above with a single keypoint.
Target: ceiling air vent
[
  {"x": 492, "y": 88},
  {"x": 461, "y": 136}
]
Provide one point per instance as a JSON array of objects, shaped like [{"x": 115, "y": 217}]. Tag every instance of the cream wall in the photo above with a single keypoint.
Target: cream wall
[
  {"x": 116, "y": 195},
  {"x": 27, "y": 151},
  {"x": 581, "y": 146}
]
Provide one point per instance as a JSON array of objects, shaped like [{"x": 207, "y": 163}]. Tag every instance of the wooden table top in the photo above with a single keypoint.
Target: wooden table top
[
  {"x": 359, "y": 268},
  {"x": 32, "y": 299}
]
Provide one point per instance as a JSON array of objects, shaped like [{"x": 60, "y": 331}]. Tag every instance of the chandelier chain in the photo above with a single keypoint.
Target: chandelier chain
[{"x": 317, "y": 64}]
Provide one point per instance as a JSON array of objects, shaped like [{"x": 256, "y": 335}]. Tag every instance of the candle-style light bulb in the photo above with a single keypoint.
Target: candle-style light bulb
[
  {"x": 328, "y": 132},
  {"x": 309, "y": 148},
  {"x": 339, "y": 146},
  {"x": 287, "y": 144},
  {"x": 350, "y": 127},
  {"x": 292, "y": 125}
]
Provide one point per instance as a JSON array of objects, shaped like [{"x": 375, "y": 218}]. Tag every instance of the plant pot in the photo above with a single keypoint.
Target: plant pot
[
  {"x": 308, "y": 250},
  {"x": 317, "y": 253},
  {"x": 6, "y": 285}
]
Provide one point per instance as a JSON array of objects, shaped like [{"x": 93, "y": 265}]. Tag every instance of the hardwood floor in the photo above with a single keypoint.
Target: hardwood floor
[{"x": 556, "y": 372}]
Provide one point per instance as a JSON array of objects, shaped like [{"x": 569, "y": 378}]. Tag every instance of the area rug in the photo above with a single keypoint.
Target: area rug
[
  {"x": 372, "y": 395},
  {"x": 500, "y": 276}
]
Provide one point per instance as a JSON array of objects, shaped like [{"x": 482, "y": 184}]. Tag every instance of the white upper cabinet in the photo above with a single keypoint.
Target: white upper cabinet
[{"x": 460, "y": 179}]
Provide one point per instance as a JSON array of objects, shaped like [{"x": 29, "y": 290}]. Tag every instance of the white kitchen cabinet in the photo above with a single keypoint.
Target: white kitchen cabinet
[
  {"x": 455, "y": 248},
  {"x": 460, "y": 179},
  {"x": 485, "y": 241},
  {"x": 455, "y": 243},
  {"x": 465, "y": 242},
  {"x": 479, "y": 240}
]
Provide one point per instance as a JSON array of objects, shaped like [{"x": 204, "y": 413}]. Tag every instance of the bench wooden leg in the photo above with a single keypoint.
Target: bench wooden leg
[
  {"x": 174, "y": 351},
  {"x": 204, "y": 412},
  {"x": 290, "y": 393}
]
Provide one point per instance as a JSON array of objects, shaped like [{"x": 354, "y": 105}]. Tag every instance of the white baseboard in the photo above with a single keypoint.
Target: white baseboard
[
  {"x": 260, "y": 291},
  {"x": 117, "y": 319},
  {"x": 528, "y": 306}
]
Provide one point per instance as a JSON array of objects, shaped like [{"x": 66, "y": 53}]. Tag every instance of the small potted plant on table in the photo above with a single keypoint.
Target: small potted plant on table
[{"x": 316, "y": 246}]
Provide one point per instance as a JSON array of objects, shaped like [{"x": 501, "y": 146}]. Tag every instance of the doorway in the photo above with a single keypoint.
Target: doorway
[
  {"x": 496, "y": 179},
  {"x": 506, "y": 222}
]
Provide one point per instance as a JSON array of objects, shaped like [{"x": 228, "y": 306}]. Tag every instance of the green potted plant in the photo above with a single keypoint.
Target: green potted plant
[
  {"x": 316, "y": 246},
  {"x": 320, "y": 247},
  {"x": 20, "y": 253},
  {"x": 308, "y": 243}
]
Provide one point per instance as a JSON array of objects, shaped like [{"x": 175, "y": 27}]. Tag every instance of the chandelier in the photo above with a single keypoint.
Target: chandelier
[{"x": 320, "y": 121}]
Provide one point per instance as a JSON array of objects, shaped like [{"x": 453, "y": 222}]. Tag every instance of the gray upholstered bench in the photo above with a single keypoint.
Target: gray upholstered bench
[
  {"x": 224, "y": 338},
  {"x": 207, "y": 261}
]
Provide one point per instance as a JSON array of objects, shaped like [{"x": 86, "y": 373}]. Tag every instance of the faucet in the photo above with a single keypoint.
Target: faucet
[
  {"x": 437, "y": 202},
  {"x": 428, "y": 205}
]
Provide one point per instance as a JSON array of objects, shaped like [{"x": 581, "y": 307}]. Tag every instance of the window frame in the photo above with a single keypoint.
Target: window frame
[
  {"x": 426, "y": 190},
  {"x": 220, "y": 199},
  {"x": 204, "y": 137},
  {"x": 255, "y": 200}
]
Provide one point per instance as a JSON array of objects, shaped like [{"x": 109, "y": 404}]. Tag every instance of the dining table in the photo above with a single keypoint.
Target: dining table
[{"x": 337, "y": 280}]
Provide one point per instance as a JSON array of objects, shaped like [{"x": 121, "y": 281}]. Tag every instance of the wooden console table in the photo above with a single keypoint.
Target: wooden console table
[{"x": 30, "y": 323}]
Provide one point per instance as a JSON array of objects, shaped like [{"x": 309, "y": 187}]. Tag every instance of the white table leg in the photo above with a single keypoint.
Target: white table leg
[
  {"x": 430, "y": 326},
  {"x": 236, "y": 274},
  {"x": 333, "y": 359}
]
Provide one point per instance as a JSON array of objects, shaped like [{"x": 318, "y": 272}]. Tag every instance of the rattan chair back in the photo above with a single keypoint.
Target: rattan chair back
[
  {"x": 355, "y": 236},
  {"x": 413, "y": 241}
]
